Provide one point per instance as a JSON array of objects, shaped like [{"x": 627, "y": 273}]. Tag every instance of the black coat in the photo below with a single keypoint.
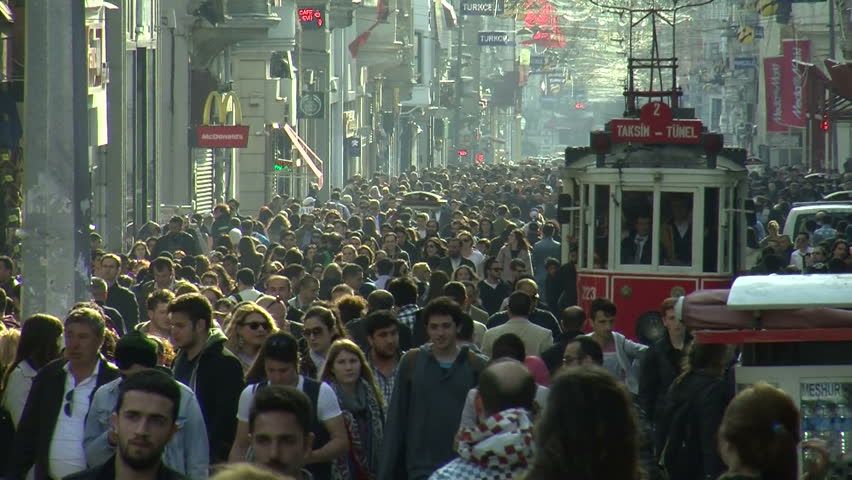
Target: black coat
[
  {"x": 124, "y": 301},
  {"x": 107, "y": 471},
  {"x": 172, "y": 242},
  {"x": 628, "y": 250},
  {"x": 446, "y": 265},
  {"x": 709, "y": 397},
  {"x": 218, "y": 384},
  {"x": 661, "y": 365},
  {"x": 43, "y": 407}
]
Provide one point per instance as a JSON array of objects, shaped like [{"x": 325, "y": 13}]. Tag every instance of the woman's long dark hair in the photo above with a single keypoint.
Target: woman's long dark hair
[
  {"x": 39, "y": 343},
  {"x": 588, "y": 430}
]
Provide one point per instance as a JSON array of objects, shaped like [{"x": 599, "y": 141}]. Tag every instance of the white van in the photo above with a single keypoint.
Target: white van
[{"x": 803, "y": 212}]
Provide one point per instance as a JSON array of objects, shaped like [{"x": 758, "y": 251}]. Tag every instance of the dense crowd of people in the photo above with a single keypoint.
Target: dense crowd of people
[
  {"x": 377, "y": 335},
  {"x": 820, "y": 243}
]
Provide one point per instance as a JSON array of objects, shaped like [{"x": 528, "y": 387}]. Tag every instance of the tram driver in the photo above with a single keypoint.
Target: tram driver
[{"x": 636, "y": 247}]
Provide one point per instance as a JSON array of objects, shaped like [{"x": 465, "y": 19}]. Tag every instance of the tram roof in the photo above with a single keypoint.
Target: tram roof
[
  {"x": 786, "y": 292},
  {"x": 655, "y": 156}
]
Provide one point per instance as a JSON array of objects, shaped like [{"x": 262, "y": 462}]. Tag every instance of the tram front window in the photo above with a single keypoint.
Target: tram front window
[{"x": 676, "y": 229}]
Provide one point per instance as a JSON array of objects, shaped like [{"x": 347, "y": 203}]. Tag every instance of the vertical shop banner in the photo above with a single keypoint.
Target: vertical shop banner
[
  {"x": 794, "y": 113},
  {"x": 772, "y": 75}
]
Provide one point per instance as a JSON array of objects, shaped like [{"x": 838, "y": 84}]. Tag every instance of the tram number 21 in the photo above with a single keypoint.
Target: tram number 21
[{"x": 589, "y": 293}]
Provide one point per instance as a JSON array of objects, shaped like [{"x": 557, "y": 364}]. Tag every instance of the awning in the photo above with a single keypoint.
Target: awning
[
  {"x": 101, "y": 3},
  {"x": 449, "y": 14},
  {"x": 310, "y": 158},
  {"x": 6, "y": 14}
]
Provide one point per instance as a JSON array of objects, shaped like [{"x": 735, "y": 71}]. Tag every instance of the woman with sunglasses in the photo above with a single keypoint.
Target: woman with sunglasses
[
  {"x": 277, "y": 364},
  {"x": 320, "y": 328},
  {"x": 249, "y": 326},
  {"x": 352, "y": 379}
]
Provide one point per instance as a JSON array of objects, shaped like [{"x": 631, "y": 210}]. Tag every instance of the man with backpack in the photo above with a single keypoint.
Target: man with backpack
[{"x": 428, "y": 397}]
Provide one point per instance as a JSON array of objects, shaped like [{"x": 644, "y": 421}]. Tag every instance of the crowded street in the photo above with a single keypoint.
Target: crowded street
[{"x": 426, "y": 240}]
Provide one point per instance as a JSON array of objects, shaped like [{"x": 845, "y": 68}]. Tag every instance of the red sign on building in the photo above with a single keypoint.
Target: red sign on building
[
  {"x": 794, "y": 106},
  {"x": 221, "y": 136},
  {"x": 772, "y": 77}
]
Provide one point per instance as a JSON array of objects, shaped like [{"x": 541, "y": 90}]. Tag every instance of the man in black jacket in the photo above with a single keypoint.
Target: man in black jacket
[
  {"x": 119, "y": 297},
  {"x": 662, "y": 363},
  {"x": 454, "y": 258},
  {"x": 208, "y": 368},
  {"x": 145, "y": 414},
  {"x": 176, "y": 239},
  {"x": 50, "y": 433}
]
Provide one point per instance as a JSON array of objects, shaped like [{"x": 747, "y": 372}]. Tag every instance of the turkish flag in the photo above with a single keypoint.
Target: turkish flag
[
  {"x": 359, "y": 42},
  {"x": 382, "y": 11}
]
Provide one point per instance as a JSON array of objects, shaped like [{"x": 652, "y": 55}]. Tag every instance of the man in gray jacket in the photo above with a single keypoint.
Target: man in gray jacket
[
  {"x": 186, "y": 453},
  {"x": 545, "y": 248},
  {"x": 428, "y": 397},
  {"x": 621, "y": 355}
]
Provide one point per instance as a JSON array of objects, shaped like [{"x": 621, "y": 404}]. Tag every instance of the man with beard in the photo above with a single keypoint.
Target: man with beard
[
  {"x": 280, "y": 427},
  {"x": 382, "y": 329},
  {"x": 144, "y": 421}
]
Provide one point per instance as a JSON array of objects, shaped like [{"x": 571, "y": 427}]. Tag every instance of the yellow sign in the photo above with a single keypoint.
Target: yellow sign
[{"x": 225, "y": 103}]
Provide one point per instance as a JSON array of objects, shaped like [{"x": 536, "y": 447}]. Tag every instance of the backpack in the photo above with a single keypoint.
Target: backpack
[{"x": 680, "y": 456}]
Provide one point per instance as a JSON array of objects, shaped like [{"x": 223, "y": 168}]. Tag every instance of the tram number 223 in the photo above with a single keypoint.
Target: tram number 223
[{"x": 589, "y": 293}]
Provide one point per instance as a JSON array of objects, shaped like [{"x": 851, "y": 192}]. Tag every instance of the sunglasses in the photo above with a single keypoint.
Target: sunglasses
[
  {"x": 313, "y": 332},
  {"x": 256, "y": 325},
  {"x": 69, "y": 400}
]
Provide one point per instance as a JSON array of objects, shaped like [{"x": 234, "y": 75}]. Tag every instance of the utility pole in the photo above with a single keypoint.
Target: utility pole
[
  {"x": 57, "y": 182},
  {"x": 459, "y": 91},
  {"x": 834, "y": 155}
]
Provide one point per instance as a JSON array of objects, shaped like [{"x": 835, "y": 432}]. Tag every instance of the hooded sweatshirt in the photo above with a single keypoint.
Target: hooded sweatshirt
[
  {"x": 424, "y": 412},
  {"x": 216, "y": 377}
]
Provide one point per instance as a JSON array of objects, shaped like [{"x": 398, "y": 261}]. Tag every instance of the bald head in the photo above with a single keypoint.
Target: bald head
[{"x": 505, "y": 384}]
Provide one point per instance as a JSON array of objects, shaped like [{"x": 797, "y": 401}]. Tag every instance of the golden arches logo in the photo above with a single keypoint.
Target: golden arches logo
[{"x": 225, "y": 103}]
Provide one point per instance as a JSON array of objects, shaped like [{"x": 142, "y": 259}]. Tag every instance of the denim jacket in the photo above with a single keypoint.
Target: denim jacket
[{"x": 186, "y": 453}]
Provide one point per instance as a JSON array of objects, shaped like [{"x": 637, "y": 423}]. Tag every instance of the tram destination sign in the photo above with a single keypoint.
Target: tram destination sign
[{"x": 655, "y": 125}]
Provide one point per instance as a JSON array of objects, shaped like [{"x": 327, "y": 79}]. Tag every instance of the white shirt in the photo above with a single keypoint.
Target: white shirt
[
  {"x": 318, "y": 360},
  {"x": 247, "y": 295},
  {"x": 797, "y": 258},
  {"x": 327, "y": 406},
  {"x": 17, "y": 390},
  {"x": 66, "y": 455}
]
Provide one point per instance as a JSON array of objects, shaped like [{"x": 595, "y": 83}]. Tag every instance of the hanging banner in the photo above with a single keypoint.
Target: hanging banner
[
  {"x": 794, "y": 113},
  {"x": 772, "y": 67}
]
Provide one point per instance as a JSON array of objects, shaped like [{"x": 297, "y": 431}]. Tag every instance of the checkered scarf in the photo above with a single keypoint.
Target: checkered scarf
[{"x": 502, "y": 441}]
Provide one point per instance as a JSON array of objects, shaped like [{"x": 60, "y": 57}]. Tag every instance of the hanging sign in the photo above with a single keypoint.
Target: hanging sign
[
  {"x": 311, "y": 105},
  {"x": 494, "y": 39},
  {"x": 221, "y": 135}
]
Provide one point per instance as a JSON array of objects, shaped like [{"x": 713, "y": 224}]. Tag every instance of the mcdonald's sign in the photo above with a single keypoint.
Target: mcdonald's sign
[{"x": 221, "y": 134}]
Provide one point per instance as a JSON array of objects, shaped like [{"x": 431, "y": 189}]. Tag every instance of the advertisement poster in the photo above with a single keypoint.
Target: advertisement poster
[
  {"x": 794, "y": 113},
  {"x": 826, "y": 416},
  {"x": 772, "y": 67}
]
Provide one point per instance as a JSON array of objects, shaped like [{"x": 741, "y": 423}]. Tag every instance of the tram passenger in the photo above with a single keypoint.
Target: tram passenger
[
  {"x": 676, "y": 234},
  {"x": 636, "y": 247}
]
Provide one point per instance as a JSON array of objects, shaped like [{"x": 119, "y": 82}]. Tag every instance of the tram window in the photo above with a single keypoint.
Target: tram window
[
  {"x": 676, "y": 229},
  {"x": 637, "y": 209},
  {"x": 601, "y": 246},
  {"x": 711, "y": 229}
]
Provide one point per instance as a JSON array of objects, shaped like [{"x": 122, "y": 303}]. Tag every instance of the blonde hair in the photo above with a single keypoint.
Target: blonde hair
[
  {"x": 346, "y": 345},
  {"x": 8, "y": 347},
  {"x": 239, "y": 314},
  {"x": 421, "y": 268}
]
